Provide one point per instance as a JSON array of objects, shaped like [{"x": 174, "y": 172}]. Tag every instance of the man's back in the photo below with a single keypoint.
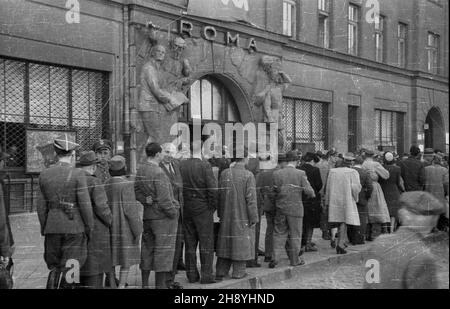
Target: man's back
[
  {"x": 289, "y": 184},
  {"x": 63, "y": 183},
  {"x": 436, "y": 181},
  {"x": 199, "y": 185},
  {"x": 152, "y": 181},
  {"x": 405, "y": 262},
  {"x": 264, "y": 187},
  {"x": 413, "y": 174}
]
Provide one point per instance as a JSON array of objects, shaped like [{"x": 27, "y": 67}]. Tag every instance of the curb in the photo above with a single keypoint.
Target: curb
[{"x": 289, "y": 272}]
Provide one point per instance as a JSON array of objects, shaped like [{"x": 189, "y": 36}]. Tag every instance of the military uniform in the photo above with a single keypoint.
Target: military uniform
[
  {"x": 102, "y": 171},
  {"x": 65, "y": 215}
]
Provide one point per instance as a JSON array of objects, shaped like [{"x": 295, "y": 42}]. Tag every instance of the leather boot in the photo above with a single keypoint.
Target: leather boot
[
  {"x": 161, "y": 279},
  {"x": 53, "y": 280}
]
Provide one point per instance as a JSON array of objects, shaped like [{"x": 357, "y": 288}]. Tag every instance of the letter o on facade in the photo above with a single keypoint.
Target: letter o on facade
[{"x": 209, "y": 33}]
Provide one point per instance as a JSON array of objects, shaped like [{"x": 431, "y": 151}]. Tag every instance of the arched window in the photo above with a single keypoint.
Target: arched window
[{"x": 210, "y": 101}]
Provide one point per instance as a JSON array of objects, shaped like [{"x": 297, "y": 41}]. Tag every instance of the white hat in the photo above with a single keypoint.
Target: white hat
[{"x": 389, "y": 156}]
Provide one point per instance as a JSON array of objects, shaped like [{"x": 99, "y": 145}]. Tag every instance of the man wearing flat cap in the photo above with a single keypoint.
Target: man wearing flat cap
[
  {"x": 65, "y": 214},
  {"x": 405, "y": 259},
  {"x": 99, "y": 250},
  {"x": 103, "y": 151}
]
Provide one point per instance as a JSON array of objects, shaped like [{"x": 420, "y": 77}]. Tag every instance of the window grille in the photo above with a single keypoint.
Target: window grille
[
  {"x": 43, "y": 96},
  {"x": 389, "y": 130},
  {"x": 305, "y": 122}
]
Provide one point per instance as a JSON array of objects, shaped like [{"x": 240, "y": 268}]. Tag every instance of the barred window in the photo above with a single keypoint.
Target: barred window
[
  {"x": 34, "y": 95},
  {"x": 389, "y": 130},
  {"x": 305, "y": 122}
]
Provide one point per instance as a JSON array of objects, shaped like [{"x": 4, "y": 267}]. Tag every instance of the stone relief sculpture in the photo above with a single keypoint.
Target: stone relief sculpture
[
  {"x": 163, "y": 83},
  {"x": 177, "y": 69},
  {"x": 270, "y": 83},
  {"x": 269, "y": 88}
]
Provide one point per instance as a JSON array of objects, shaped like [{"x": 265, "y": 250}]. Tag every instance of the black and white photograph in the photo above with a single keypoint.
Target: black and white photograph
[{"x": 208, "y": 146}]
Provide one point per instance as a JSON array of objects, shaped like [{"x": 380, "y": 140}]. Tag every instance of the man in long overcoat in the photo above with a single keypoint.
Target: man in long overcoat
[
  {"x": 99, "y": 249},
  {"x": 161, "y": 210},
  {"x": 289, "y": 185},
  {"x": 65, "y": 213},
  {"x": 6, "y": 237},
  {"x": 238, "y": 215},
  {"x": 126, "y": 227},
  {"x": 312, "y": 206}
]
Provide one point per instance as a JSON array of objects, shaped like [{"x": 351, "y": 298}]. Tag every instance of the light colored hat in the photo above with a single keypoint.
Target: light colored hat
[
  {"x": 64, "y": 142},
  {"x": 421, "y": 203},
  {"x": 349, "y": 156},
  {"x": 389, "y": 156},
  {"x": 117, "y": 163}
]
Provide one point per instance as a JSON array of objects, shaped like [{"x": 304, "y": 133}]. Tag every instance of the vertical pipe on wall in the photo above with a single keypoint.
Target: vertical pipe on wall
[
  {"x": 126, "y": 92},
  {"x": 133, "y": 95}
]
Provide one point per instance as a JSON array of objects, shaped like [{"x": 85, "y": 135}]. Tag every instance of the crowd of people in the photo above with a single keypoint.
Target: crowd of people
[{"x": 93, "y": 212}]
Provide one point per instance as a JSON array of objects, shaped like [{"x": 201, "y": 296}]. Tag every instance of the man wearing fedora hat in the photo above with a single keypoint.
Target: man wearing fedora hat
[
  {"x": 65, "y": 213},
  {"x": 289, "y": 185},
  {"x": 404, "y": 257},
  {"x": 99, "y": 250}
]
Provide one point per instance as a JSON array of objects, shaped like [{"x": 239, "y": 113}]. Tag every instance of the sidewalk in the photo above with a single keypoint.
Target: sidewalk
[{"x": 31, "y": 272}]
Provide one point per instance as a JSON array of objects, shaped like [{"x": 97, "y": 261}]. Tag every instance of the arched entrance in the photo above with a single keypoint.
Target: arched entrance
[
  {"x": 434, "y": 130},
  {"x": 215, "y": 98}
]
